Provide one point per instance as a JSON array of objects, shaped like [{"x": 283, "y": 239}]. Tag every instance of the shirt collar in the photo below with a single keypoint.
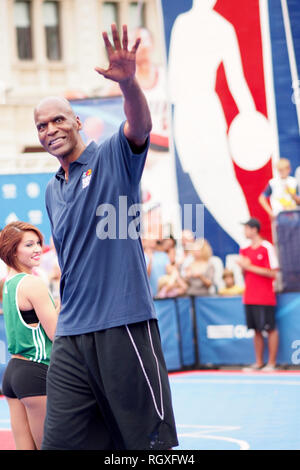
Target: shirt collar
[{"x": 83, "y": 159}]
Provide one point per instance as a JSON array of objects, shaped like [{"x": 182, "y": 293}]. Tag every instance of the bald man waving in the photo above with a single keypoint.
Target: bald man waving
[{"x": 107, "y": 383}]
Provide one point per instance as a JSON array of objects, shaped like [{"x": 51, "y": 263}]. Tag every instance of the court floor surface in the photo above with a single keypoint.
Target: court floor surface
[
  {"x": 237, "y": 410},
  {"x": 225, "y": 410}
]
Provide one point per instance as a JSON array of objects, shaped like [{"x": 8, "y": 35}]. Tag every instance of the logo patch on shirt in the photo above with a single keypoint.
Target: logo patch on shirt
[{"x": 86, "y": 178}]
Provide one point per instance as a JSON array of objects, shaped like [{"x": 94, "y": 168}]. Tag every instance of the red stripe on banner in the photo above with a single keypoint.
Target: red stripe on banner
[{"x": 245, "y": 18}]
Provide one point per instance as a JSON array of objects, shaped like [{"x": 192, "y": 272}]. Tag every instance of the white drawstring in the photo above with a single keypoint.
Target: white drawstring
[{"x": 160, "y": 414}]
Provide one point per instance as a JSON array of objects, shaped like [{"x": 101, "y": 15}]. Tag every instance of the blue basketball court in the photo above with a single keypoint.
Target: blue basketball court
[
  {"x": 237, "y": 410},
  {"x": 221, "y": 410}
]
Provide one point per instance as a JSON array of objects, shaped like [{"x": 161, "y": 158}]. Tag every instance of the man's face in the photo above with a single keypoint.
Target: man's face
[
  {"x": 284, "y": 171},
  {"x": 58, "y": 128},
  {"x": 250, "y": 232}
]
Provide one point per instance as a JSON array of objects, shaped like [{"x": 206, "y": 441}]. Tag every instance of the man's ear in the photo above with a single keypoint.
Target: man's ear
[{"x": 79, "y": 123}]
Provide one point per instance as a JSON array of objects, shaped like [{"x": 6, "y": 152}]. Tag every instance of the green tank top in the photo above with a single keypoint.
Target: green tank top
[{"x": 26, "y": 340}]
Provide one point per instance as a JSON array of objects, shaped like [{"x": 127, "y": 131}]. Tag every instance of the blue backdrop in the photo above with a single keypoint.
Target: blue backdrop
[
  {"x": 214, "y": 332},
  {"x": 22, "y": 198}
]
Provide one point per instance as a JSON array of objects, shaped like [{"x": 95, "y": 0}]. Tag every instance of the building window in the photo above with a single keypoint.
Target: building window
[
  {"x": 136, "y": 15},
  {"x": 52, "y": 30},
  {"x": 22, "y": 18},
  {"x": 110, "y": 14}
]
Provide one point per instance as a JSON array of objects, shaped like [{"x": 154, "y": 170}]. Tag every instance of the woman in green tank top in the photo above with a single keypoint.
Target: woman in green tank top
[{"x": 30, "y": 318}]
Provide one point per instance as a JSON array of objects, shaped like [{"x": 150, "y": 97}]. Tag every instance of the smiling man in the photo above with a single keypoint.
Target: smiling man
[
  {"x": 58, "y": 129},
  {"x": 107, "y": 384}
]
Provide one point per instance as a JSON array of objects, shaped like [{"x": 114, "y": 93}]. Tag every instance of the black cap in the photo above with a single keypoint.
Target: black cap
[{"x": 253, "y": 223}]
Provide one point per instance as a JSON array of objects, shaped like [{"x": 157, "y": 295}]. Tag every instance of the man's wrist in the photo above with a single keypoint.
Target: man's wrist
[{"x": 128, "y": 83}]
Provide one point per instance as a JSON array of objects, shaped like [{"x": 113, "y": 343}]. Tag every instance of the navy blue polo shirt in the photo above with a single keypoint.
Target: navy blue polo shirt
[{"x": 95, "y": 223}]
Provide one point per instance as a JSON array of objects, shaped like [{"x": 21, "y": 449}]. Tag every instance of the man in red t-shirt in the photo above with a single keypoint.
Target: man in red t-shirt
[{"x": 260, "y": 265}]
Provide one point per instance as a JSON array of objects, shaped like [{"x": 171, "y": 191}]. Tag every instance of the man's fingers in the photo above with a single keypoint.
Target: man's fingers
[
  {"x": 101, "y": 71},
  {"x": 125, "y": 38},
  {"x": 136, "y": 45},
  {"x": 116, "y": 37},
  {"x": 117, "y": 42},
  {"x": 107, "y": 43}
]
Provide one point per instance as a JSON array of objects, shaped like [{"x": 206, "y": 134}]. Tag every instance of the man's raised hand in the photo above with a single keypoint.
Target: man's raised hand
[{"x": 122, "y": 62}]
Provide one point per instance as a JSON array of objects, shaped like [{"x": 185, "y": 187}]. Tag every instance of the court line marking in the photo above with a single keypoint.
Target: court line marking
[
  {"x": 201, "y": 434},
  {"x": 236, "y": 381}
]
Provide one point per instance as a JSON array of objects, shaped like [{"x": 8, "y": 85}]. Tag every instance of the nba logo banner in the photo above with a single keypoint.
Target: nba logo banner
[{"x": 233, "y": 87}]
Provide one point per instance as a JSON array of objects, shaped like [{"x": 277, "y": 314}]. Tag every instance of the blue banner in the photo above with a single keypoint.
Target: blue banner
[
  {"x": 223, "y": 337},
  {"x": 287, "y": 318},
  {"x": 22, "y": 197},
  {"x": 168, "y": 327},
  {"x": 185, "y": 318}
]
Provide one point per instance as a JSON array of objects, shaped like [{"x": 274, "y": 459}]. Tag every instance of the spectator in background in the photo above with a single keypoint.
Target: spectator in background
[
  {"x": 199, "y": 274},
  {"x": 259, "y": 264},
  {"x": 282, "y": 191},
  {"x": 160, "y": 258},
  {"x": 185, "y": 255},
  {"x": 230, "y": 287},
  {"x": 156, "y": 260},
  {"x": 171, "y": 284},
  {"x": 169, "y": 245}
]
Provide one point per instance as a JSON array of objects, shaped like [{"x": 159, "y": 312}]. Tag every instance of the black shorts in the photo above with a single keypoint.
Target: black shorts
[
  {"x": 260, "y": 317},
  {"x": 24, "y": 378},
  {"x": 109, "y": 390}
]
